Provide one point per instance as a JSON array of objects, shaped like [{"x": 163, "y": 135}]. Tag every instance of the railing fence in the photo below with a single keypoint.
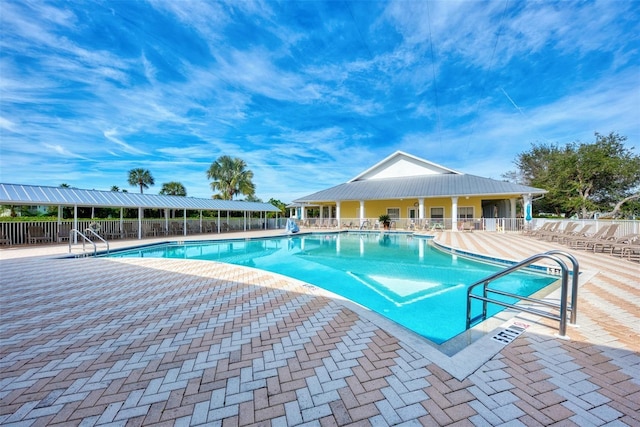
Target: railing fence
[{"x": 17, "y": 233}]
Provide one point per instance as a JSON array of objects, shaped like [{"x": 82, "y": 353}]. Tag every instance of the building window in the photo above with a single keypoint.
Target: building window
[
  {"x": 394, "y": 213},
  {"x": 437, "y": 213},
  {"x": 465, "y": 212}
]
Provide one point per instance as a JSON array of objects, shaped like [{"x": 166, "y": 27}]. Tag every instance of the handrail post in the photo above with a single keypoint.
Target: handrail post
[
  {"x": 574, "y": 283},
  {"x": 564, "y": 290},
  {"x": 484, "y": 302}
]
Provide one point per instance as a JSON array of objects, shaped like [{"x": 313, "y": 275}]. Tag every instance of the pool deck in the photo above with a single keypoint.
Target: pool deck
[{"x": 96, "y": 341}]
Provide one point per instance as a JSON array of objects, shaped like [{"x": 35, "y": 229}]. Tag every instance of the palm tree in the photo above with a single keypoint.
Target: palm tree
[
  {"x": 231, "y": 177},
  {"x": 141, "y": 177},
  {"x": 115, "y": 188},
  {"x": 173, "y": 189}
]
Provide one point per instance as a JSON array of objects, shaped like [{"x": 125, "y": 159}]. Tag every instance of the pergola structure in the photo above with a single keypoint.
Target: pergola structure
[{"x": 35, "y": 195}]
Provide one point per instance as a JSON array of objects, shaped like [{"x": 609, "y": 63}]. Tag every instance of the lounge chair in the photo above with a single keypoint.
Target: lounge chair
[
  {"x": 4, "y": 240},
  {"x": 567, "y": 231},
  {"x": 629, "y": 249},
  {"x": 562, "y": 239},
  {"x": 36, "y": 234},
  {"x": 552, "y": 229},
  {"x": 620, "y": 242},
  {"x": 606, "y": 233},
  {"x": 543, "y": 229}
]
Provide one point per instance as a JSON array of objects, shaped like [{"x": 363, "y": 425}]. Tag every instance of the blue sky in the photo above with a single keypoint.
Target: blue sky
[{"x": 308, "y": 93}]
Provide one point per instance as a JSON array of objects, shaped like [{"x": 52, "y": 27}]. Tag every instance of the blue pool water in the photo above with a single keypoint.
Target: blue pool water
[{"x": 399, "y": 276}]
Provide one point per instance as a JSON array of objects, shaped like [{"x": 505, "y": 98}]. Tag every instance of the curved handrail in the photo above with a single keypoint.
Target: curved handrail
[
  {"x": 84, "y": 239},
  {"x": 522, "y": 264},
  {"x": 91, "y": 231}
]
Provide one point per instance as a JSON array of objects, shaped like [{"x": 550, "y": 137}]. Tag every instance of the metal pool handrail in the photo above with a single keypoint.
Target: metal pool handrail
[
  {"x": 563, "y": 306},
  {"x": 75, "y": 232}
]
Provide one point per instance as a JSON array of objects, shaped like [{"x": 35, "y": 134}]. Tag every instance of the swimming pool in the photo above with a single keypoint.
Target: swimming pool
[{"x": 399, "y": 276}]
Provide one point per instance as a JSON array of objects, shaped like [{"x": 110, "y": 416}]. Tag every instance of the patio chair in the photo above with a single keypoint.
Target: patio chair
[
  {"x": 542, "y": 232},
  {"x": 467, "y": 226},
  {"x": 619, "y": 243},
  {"x": 4, "y": 240},
  {"x": 553, "y": 235},
  {"x": 63, "y": 233},
  {"x": 128, "y": 230},
  {"x": 606, "y": 233},
  {"x": 629, "y": 249},
  {"x": 175, "y": 228},
  {"x": 36, "y": 234},
  {"x": 562, "y": 239}
]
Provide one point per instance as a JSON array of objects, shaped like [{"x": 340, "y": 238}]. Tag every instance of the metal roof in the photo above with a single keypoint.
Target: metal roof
[
  {"x": 427, "y": 186},
  {"x": 17, "y": 194}
]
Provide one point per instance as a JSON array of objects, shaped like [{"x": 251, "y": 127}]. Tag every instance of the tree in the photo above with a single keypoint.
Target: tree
[
  {"x": 141, "y": 177},
  {"x": 173, "y": 189},
  {"x": 115, "y": 188},
  {"x": 230, "y": 177},
  {"x": 582, "y": 178},
  {"x": 278, "y": 204}
]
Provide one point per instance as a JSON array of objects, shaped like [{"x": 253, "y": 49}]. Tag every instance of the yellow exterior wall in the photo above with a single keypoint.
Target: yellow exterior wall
[{"x": 375, "y": 208}]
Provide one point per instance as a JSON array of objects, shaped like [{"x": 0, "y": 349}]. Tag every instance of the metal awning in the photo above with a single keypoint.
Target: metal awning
[{"x": 35, "y": 195}]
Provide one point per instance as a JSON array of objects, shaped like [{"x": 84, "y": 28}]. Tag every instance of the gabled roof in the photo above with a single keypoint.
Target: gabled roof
[
  {"x": 402, "y": 165},
  {"x": 404, "y": 176},
  {"x": 16, "y": 194},
  {"x": 427, "y": 186}
]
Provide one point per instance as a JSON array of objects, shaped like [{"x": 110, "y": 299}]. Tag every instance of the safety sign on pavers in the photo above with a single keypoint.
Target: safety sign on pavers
[{"x": 510, "y": 333}]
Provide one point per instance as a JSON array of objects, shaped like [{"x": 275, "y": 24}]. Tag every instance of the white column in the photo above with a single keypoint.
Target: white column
[
  {"x": 140, "y": 215},
  {"x": 512, "y": 204},
  {"x": 338, "y": 216},
  {"x": 184, "y": 222},
  {"x": 75, "y": 223},
  {"x": 218, "y": 221},
  {"x": 454, "y": 213},
  {"x": 420, "y": 208},
  {"x": 361, "y": 212}
]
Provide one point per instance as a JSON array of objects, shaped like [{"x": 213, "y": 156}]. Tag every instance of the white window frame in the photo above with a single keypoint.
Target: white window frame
[
  {"x": 431, "y": 212},
  {"x": 394, "y": 216},
  {"x": 466, "y": 208}
]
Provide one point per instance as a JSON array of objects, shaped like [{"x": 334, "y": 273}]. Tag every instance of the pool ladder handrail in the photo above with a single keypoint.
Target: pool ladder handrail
[
  {"x": 74, "y": 233},
  {"x": 563, "y": 307}
]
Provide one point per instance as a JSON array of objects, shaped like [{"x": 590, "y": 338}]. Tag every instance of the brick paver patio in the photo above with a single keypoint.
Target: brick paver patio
[{"x": 173, "y": 342}]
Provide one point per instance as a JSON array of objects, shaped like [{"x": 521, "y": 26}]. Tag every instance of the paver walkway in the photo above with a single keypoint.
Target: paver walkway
[{"x": 174, "y": 342}]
